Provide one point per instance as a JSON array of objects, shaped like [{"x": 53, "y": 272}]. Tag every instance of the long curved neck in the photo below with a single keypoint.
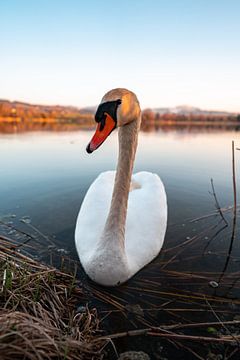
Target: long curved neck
[{"x": 115, "y": 225}]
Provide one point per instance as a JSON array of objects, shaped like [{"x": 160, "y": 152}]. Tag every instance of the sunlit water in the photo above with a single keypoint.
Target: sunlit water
[{"x": 45, "y": 176}]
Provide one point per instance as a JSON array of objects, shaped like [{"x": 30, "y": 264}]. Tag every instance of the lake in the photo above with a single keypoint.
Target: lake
[{"x": 45, "y": 176}]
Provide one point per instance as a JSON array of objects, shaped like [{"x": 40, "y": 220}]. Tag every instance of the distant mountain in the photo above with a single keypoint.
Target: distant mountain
[
  {"x": 22, "y": 109},
  {"x": 26, "y": 110},
  {"x": 187, "y": 110}
]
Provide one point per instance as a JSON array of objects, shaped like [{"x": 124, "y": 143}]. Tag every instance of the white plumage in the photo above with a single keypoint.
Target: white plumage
[{"x": 106, "y": 258}]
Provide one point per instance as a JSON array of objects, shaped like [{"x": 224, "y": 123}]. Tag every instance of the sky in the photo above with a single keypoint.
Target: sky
[{"x": 169, "y": 52}]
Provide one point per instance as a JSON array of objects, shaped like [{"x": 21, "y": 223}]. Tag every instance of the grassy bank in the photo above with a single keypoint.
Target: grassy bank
[{"x": 43, "y": 311}]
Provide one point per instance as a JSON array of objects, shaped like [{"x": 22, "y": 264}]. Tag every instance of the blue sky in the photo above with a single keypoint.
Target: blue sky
[{"x": 169, "y": 52}]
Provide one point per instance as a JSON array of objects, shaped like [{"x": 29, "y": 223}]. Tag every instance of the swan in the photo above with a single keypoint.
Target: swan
[{"x": 123, "y": 218}]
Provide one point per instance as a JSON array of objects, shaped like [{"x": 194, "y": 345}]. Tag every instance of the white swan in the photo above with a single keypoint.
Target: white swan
[{"x": 122, "y": 221}]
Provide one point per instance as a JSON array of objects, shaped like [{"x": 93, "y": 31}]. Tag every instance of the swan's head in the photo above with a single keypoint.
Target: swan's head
[{"x": 118, "y": 107}]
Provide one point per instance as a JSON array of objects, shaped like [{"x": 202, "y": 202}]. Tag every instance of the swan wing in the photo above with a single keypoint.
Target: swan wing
[
  {"x": 146, "y": 220},
  {"x": 93, "y": 214},
  {"x": 145, "y": 224}
]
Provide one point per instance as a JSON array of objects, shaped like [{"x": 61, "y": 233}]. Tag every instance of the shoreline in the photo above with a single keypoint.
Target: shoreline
[{"x": 19, "y": 126}]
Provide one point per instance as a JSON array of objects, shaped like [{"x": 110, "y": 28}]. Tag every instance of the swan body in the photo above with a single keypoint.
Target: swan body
[{"x": 122, "y": 221}]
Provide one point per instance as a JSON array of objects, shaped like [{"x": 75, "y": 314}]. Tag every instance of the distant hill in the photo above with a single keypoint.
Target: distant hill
[
  {"x": 187, "y": 110},
  {"x": 21, "y": 116},
  {"x": 22, "y": 109}
]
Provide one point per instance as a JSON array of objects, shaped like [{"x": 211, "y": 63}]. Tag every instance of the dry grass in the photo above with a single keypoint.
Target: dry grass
[
  {"x": 38, "y": 318},
  {"x": 44, "y": 313}
]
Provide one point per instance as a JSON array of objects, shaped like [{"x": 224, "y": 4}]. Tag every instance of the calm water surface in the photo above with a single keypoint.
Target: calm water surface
[{"x": 45, "y": 176}]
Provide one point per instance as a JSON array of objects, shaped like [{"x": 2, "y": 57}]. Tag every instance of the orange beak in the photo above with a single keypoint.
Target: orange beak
[{"x": 101, "y": 133}]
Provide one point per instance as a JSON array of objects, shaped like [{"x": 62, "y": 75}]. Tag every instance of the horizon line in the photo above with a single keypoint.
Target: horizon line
[{"x": 95, "y": 106}]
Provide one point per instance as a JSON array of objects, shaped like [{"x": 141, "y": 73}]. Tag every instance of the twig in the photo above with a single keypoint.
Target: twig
[
  {"x": 29, "y": 237},
  {"x": 203, "y": 324},
  {"x": 191, "y": 240},
  {"x": 217, "y": 203},
  {"x": 214, "y": 237},
  {"x": 234, "y": 179},
  {"x": 222, "y": 339},
  {"x": 162, "y": 333},
  {"x": 39, "y": 232},
  {"x": 234, "y": 215},
  {"x": 220, "y": 321},
  {"x": 203, "y": 217},
  {"x": 145, "y": 331},
  {"x": 235, "y": 350},
  {"x": 190, "y": 350}
]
